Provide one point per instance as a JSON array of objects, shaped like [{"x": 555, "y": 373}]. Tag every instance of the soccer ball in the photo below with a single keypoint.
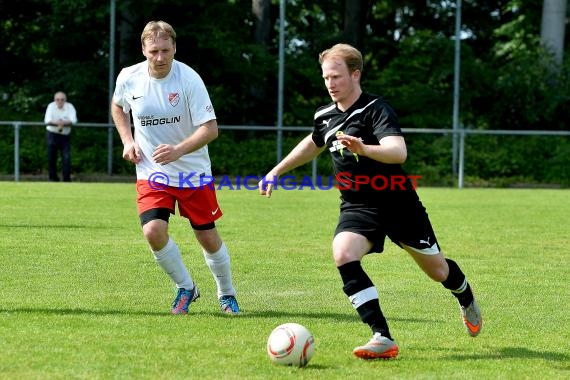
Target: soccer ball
[{"x": 290, "y": 344}]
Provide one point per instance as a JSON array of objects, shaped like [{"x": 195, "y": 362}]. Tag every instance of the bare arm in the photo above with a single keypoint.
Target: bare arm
[
  {"x": 392, "y": 149},
  {"x": 59, "y": 122},
  {"x": 304, "y": 152},
  {"x": 165, "y": 153},
  {"x": 131, "y": 150}
]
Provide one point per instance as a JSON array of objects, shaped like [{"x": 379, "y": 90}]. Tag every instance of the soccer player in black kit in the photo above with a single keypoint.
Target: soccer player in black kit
[{"x": 362, "y": 134}]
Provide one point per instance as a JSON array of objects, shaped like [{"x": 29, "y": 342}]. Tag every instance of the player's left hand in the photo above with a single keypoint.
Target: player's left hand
[
  {"x": 354, "y": 144},
  {"x": 165, "y": 154},
  {"x": 267, "y": 184}
]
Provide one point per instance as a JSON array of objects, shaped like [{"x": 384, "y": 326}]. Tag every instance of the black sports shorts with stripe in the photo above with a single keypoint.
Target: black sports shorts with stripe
[{"x": 408, "y": 224}]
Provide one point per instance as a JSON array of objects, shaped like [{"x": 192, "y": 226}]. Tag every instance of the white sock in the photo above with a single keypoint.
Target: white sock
[
  {"x": 170, "y": 260},
  {"x": 219, "y": 264}
]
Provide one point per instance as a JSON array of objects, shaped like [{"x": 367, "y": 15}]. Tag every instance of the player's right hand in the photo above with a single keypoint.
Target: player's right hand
[{"x": 132, "y": 152}]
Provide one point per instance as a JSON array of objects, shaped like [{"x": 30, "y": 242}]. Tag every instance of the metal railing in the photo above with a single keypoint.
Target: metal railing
[{"x": 462, "y": 134}]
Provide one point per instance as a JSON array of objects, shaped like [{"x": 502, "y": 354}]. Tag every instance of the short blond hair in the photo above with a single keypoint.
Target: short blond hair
[
  {"x": 158, "y": 29},
  {"x": 351, "y": 56}
]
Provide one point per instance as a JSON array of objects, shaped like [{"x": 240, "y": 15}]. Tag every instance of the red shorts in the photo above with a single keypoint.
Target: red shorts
[{"x": 199, "y": 204}]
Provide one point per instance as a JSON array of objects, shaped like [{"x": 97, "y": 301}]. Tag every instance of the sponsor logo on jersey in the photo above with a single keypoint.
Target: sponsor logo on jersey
[
  {"x": 338, "y": 146},
  {"x": 149, "y": 121}
]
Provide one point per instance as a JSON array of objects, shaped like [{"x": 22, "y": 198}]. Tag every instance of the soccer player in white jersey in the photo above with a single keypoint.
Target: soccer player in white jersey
[
  {"x": 362, "y": 134},
  {"x": 174, "y": 120}
]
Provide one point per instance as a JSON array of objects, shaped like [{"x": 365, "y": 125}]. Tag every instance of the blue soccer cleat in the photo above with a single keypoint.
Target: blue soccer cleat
[
  {"x": 183, "y": 300},
  {"x": 229, "y": 305}
]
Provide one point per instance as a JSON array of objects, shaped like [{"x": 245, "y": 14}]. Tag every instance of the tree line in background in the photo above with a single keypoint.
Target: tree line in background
[{"x": 509, "y": 78}]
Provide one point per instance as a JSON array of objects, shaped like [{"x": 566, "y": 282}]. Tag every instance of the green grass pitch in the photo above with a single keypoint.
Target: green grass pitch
[{"x": 82, "y": 298}]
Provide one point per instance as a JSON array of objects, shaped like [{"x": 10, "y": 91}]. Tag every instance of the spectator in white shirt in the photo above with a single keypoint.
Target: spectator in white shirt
[{"x": 60, "y": 116}]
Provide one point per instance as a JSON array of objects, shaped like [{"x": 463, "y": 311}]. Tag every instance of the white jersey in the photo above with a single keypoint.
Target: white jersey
[{"x": 167, "y": 111}]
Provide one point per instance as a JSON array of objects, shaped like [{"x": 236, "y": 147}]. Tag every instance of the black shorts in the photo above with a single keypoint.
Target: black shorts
[{"x": 408, "y": 224}]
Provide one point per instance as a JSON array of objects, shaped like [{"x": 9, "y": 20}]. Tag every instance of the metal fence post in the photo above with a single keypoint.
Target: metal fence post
[
  {"x": 110, "y": 131},
  {"x": 461, "y": 158},
  {"x": 16, "y": 152},
  {"x": 314, "y": 170}
]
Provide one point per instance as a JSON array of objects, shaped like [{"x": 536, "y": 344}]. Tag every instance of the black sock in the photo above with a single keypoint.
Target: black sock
[
  {"x": 355, "y": 280},
  {"x": 457, "y": 284}
]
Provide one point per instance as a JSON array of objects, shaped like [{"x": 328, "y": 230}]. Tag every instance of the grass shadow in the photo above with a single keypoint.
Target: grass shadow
[
  {"x": 517, "y": 353},
  {"x": 55, "y": 226},
  {"x": 273, "y": 314},
  {"x": 77, "y": 311}
]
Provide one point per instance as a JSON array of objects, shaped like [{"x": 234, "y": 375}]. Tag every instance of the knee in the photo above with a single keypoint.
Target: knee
[
  {"x": 211, "y": 245},
  {"x": 438, "y": 273},
  {"x": 439, "y": 276},
  {"x": 348, "y": 247},
  {"x": 210, "y": 240},
  {"x": 343, "y": 256},
  {"x": 155, "y": 235}
]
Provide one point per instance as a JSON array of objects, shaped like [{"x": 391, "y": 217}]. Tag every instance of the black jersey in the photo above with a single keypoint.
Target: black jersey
[{"x": 370, "y": 118}]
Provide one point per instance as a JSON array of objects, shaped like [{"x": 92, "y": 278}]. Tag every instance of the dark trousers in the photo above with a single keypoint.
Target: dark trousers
[{"x": 59, "y": 143}]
